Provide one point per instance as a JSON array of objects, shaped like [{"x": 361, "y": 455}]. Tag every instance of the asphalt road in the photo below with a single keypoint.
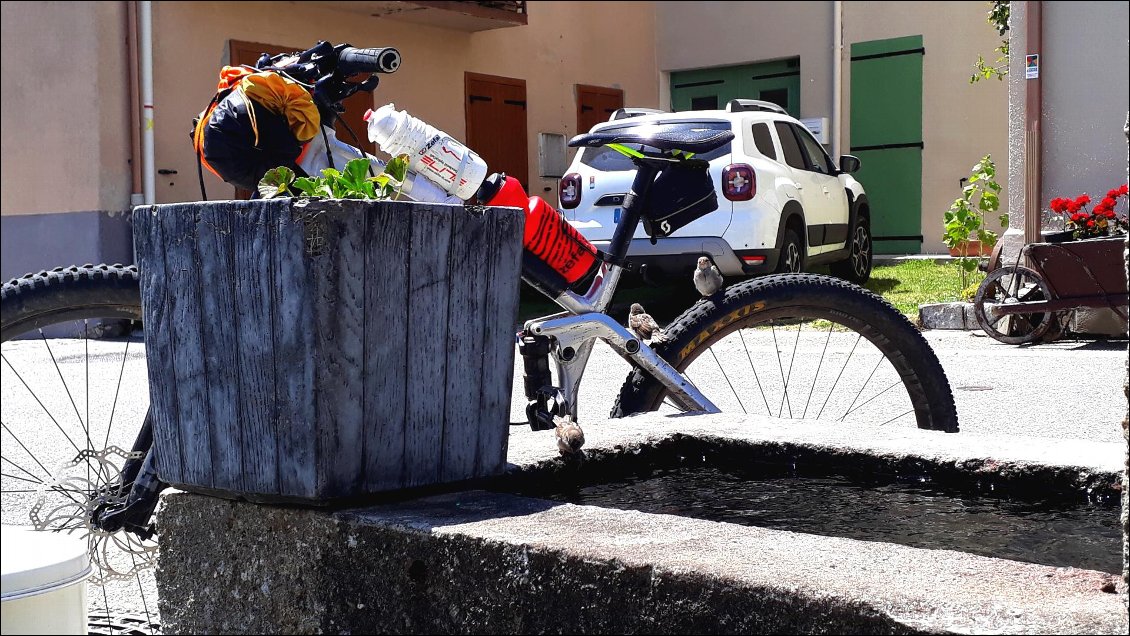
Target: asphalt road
[{"x": 1066, "y": 389}]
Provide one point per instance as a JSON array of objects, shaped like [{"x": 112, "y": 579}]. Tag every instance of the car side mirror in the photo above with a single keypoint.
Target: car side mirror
[{"x": 849, "y": 164}]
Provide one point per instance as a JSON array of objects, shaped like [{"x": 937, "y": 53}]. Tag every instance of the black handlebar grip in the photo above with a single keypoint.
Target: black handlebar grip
[{"x": 352, "y": 60}]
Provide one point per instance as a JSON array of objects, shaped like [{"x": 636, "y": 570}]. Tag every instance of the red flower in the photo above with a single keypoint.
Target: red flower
[
  {"x": 1114, "y": 194},
  {"x": 1090, "y": 224},
  {"x": 1110, "y": 214},
  {"x": 1058, "y": 204},
  {"x": 1122, "y": 189},
  {"x": 1083, "y": 199},
  {"x": 1073, "y": 206},
  {"x": 1109, "y": 201}
]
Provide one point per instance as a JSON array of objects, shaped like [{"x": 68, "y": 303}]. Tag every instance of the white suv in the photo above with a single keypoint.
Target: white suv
[{"x": 783, "y": 205}]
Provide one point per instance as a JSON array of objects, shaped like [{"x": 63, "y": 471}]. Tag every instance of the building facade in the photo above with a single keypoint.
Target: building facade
[
  {"x": 70, "y": 105},
  {"x": 890, "y": 78},
  {"x": 888, "y": 81}
]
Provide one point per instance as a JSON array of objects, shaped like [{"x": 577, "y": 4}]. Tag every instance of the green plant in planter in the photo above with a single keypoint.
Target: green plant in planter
[
  {"x": 353, "y": 182},
  {"x": 965, "y": 220}
]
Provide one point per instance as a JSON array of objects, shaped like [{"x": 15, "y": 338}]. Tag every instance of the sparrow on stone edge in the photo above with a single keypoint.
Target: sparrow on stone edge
[
  {"x": 707, "y": 278},
  {"x": 644, "y": 325},
  {"x": 570, "y": 437}
]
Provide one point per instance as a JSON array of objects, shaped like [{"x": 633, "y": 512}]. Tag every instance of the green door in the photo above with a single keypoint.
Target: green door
[
  {"x": 886, "y": 135},
  {"x": 707, "y": 89}
]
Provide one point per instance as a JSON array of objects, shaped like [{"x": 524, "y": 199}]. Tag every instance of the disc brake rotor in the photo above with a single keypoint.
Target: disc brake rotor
[{"x": 80, "y": 489}]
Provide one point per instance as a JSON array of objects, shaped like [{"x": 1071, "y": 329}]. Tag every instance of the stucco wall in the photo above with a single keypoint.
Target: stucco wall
[
  {"x": 608, "y": 44},
  {"x": 1083, "y": 68},
  {"x": 64, "y": 95},
  {"x": 564, "y": 44},
  {"x": 692, "y": 35},
  {"x": 961, "y": 122}
]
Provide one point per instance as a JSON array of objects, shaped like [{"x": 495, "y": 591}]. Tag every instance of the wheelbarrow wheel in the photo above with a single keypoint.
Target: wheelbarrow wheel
[{"x": 1006, "y": 286}]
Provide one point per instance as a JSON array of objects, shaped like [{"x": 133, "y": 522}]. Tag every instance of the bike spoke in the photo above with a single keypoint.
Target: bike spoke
[
  {"x": 865, "y": 383},
  {"x": 819, "y": 366},
  {"x": 897, "y": 417},
  {"x": 117, "y": 391},
  {"x": 836, "y": 382},
  {"x": 105, "y": 597},
  {"x": 29, "y": 453},
  {"x": 85, "y": 429},
  {"x": 11, "y": 476},
  {"x": 780, "y": 367},
  {"x": 792, "y": 361},
  {"x": 40, "y": 402},
  {"x": 141, "y": 591},
  {"x": 723, "y": 371},
  {"x": 754, "y": 370},
  {"x": 896, "y": 383}
]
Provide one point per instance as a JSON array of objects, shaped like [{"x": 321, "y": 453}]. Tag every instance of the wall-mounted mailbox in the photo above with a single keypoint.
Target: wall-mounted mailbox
[{"x": 819, "y": 128}]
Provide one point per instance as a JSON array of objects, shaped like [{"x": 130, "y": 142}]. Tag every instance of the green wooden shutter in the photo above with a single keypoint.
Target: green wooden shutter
[
  {"x": 771, "y": 81},
  {"x": 886, "y": 135}
]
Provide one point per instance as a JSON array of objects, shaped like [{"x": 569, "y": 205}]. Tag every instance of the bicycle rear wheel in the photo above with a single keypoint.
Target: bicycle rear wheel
[
  {"x": 75, "y": 395},
  {"x": 802, "y": 346}
]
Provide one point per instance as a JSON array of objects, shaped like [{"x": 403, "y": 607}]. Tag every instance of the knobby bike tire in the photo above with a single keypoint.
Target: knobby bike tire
[
  {"x": 755, "y": 302},
  {"x": 69, "y": 293},
  {"x": 102, "y": 299}
]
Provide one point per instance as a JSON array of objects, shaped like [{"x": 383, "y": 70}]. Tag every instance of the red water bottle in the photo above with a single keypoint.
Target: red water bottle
[{"x": 548, "y": 237}]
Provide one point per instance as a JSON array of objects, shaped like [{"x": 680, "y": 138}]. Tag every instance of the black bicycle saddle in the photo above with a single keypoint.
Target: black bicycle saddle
[{"x": 687, "y": 138}]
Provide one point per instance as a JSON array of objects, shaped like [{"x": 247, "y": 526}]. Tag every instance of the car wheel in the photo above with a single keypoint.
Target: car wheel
[
  {"x": 856, "y": 267},
  {"x": 791, "y": 260}
]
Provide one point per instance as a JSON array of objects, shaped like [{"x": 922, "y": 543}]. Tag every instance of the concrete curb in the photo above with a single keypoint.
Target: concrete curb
[
  {"x": 948, "y": 316},
  {"x": 478, "y": 562}
]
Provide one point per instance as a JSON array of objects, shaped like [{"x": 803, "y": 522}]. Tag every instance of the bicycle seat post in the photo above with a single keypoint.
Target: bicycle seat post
[{"x": 634, "y": 203}]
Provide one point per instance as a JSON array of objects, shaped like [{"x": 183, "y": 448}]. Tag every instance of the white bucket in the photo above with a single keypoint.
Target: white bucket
[{"x": 44, "y": 582}]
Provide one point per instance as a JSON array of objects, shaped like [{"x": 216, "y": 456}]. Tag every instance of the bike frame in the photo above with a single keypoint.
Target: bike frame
[{"x": 584, "y": 321}]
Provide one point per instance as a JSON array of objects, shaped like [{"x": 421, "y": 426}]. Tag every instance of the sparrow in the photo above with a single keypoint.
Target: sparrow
[
  {"x": 570, "y": 437},
  {"x": 707, "y": 278},
  {"x": 644, "y": 325}
]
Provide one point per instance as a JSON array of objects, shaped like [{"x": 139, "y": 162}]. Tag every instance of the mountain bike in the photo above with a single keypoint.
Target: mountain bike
[{"x": 794, "y": 346}]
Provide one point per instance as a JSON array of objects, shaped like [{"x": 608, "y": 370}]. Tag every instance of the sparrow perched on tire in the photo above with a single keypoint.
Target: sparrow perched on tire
[
  {"x": 570, "y": 437},
  {"x": 707, "y": 278},
  {"x": 644, "y": 325}
]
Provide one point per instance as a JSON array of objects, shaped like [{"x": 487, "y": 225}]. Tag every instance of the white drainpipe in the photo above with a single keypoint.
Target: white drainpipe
[
  {"x": 145, "y": 34},
  {"x": 837, "y": 83}
]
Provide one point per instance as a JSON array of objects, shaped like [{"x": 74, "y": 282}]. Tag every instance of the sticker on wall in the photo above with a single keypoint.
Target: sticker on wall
[{"x": 1032, "y": 66}]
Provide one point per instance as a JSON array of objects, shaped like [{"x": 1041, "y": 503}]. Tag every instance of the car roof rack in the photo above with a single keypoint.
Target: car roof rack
[
  {"x": 746, "y": 105},
  {"x": 625, "y": 113}
]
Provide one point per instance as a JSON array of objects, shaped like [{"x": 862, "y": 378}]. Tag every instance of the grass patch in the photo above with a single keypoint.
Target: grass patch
[{"x": 908, "y": 284}]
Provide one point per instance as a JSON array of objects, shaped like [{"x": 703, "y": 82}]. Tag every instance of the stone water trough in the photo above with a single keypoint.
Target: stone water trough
[{"x": 475, "y": 558}]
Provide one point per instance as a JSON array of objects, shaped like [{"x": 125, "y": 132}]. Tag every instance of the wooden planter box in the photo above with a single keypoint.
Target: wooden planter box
[{"x": 317, "y": 350}]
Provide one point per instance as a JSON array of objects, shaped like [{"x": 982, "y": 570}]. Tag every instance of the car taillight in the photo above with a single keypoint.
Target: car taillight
[
  {"x": 570, "y": 190},
  {"x": 738, "y": 182}
]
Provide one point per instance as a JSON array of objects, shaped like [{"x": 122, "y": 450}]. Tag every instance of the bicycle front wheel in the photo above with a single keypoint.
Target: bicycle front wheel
[
  {"x": 75, "y": 396},
  {"x": 802, "y": 346}
]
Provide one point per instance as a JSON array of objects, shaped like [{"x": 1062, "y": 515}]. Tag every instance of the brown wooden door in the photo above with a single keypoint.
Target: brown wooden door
[
  {"x": 355, "y": 106},
  {"x": 496, "y": 124},
  {"x": 595, "y": 104}
]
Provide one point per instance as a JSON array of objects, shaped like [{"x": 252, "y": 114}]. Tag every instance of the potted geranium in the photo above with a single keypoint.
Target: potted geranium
[
  {"x": 1082, "y": 223},
  {"x": 965, "y": 232}
]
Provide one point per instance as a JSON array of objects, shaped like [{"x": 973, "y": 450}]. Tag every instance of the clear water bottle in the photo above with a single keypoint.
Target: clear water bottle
[
  {"x": 314, "y": 159},
  {"x": 431, "y": 152}
]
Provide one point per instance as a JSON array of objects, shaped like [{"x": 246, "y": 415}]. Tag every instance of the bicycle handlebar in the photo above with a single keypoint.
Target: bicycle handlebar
[
  {"x": 374, "y": 60},
  {"x": 325, "y": 67}
]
